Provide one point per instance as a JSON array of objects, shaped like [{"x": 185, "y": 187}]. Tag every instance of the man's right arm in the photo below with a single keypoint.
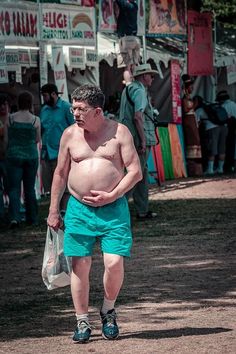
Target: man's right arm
[{"x": 59, "y": 181}]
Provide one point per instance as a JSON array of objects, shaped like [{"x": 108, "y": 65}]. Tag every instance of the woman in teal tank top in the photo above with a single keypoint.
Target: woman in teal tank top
[{"x": 23, "y": 134}]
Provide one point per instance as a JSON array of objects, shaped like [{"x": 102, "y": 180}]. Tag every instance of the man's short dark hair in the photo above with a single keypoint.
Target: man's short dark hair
[
  {"x": 90, "y": 93},
  {"x": 50, "y": 88},
  {"x": 222, "y": 96}
]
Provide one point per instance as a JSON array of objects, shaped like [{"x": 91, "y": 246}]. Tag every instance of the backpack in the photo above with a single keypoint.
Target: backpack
[{"x": 217, "y": 114}]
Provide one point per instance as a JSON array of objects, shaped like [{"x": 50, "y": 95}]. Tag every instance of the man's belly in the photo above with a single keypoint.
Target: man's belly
[{"x": 99, "y": 174}]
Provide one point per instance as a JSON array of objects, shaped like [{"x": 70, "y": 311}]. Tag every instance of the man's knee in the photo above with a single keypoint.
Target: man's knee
[
  {"x": 113, "y": 262},
  {"x": 81, "y": 265}
]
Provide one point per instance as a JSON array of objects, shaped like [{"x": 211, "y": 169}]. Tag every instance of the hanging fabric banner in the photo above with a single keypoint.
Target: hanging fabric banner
[
  {"x": 175, "y": 90},
  {"x": 200, "y": 44},
  {"x": 167, "y": 17},
  {"x": 43, "y": 65},
  {"x": 231, "y": 74},
  {"x": 59, "y": 71}
]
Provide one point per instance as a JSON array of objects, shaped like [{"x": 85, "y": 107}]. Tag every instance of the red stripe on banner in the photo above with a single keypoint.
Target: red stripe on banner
[{"x": 200, "y": 44}]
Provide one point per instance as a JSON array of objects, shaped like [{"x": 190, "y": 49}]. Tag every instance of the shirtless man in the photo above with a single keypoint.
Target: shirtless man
[{"x": 94, "y": 152}]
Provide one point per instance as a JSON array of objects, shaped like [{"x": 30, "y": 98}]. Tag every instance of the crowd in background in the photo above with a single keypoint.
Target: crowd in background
[{"x": 27, "y": 141}]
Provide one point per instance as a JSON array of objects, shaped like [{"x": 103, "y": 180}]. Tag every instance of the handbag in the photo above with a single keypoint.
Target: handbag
[{"x": 56, "y": 268}]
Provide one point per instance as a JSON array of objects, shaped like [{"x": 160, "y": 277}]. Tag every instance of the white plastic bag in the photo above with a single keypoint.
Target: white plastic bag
[{"x": 56, "y": 267}]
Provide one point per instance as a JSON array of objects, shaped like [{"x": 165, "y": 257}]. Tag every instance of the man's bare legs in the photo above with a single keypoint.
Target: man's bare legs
[
  {"x": 113, "y": 275},
  {"x": 80, "y": 295},
  {"x": 80, "y": 283},
  {"x": 112, "y": 280}
]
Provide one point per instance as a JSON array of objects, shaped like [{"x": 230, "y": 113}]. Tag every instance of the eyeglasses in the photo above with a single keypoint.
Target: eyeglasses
[{"x": 80, "y": 110}]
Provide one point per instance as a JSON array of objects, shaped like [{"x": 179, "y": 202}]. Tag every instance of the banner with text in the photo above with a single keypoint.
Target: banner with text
[
  {"x": 175, "y": 90},
  {"x": 91, "y": 58},
  {"x": 65, "y": 25},
  {"x": 19, "y": 23},
  {"x": 76, "y": 58},
  {"x": 59, "y": 71},
  {"x": 200, "y": 44}
]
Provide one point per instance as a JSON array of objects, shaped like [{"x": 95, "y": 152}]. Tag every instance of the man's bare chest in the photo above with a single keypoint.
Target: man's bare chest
[{"x": 105, "y": 149}]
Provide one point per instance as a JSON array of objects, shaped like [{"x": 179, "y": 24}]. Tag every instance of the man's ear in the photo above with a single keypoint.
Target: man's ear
[{"x": 98, "y": 110}]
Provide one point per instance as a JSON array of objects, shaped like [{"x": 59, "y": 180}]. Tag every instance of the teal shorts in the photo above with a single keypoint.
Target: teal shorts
[{"x": 84, "y": 225}]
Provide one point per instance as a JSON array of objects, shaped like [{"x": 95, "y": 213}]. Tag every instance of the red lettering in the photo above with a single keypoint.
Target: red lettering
[
  {"x": 33, "y": 25},
  {"x": 18, "y": 27},
  {"x": 7, "y": 23}
]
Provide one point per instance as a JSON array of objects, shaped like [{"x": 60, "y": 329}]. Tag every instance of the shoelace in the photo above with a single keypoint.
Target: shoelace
[
  {"x": 110, "y": 318},
  {"x": 83, "y": 326}
]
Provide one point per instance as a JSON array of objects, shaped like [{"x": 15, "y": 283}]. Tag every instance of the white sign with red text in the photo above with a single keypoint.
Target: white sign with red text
[
  {"x": 19, "y": 23},
  {"x": 77, "y": 58},
  {"x": 66, "y": 25},
  {"x": 59, "y": 71}
]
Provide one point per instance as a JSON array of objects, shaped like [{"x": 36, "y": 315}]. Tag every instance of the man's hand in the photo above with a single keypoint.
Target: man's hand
[
  {"x": 98, "y": 198},
  {"x": 141, "y": 149},
  {"x": 54, "y": 221}
]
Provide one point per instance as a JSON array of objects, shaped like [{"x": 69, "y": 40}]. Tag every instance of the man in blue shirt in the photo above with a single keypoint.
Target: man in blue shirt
[{"x": 55, "y": 117}]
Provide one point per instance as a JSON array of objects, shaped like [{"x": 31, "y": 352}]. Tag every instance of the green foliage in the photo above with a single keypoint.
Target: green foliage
[{"x": 225, "y": 11}]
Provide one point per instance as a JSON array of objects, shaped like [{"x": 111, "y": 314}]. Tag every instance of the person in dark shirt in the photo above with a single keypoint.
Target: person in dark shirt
[
  {"x": 127, "y": 32},
  {"x": 127, "y": 18}
]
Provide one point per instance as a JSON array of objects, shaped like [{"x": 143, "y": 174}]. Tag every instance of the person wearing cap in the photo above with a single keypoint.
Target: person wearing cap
[
  {"x": 230, "y": 106},
  {"x": 190, "y": 130},
  {"x": 136, "y": 113},
  {"x": 55, "y": 117}
]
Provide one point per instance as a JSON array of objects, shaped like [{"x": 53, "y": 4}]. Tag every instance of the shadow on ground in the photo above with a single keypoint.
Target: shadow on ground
[{"x": 185, "y": 259}]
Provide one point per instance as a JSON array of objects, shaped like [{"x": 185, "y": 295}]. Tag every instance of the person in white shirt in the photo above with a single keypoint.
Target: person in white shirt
[
  {"x": 215, "y": 135},
  {"x": 230, "y": 106}
]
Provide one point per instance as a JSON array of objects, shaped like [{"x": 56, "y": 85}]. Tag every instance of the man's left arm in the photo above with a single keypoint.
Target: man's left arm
[{"x": 133, "y": 174}]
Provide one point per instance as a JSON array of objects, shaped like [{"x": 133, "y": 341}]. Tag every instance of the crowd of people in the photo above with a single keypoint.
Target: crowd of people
[{"x": 210, "y": 146}]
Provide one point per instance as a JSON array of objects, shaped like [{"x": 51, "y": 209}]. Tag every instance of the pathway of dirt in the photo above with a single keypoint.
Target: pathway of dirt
[{"x": 179, "y": 293}]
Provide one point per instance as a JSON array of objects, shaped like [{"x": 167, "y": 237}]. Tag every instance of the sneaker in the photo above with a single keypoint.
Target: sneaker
[
  {"x": 82, "y": 332},
  {"x": 209, "y": 173},
  {"x": 14, "y": 224},
  {"x": 149, "y": 215},
  {"x": 110, "y": 329}
]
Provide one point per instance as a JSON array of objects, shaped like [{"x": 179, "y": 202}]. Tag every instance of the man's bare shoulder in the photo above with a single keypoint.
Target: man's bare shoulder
[
  {"x": 122, "y": 128},
  {"x": 71, "y": 131}
]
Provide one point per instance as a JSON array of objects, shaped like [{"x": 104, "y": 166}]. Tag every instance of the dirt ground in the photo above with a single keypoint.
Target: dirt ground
[{"x": 179, "y": 293}]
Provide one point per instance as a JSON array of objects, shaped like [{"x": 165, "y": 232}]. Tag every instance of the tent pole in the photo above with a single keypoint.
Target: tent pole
[
  {"x": 144, "y": 49},
  {"x": 214, "y": 53}
]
